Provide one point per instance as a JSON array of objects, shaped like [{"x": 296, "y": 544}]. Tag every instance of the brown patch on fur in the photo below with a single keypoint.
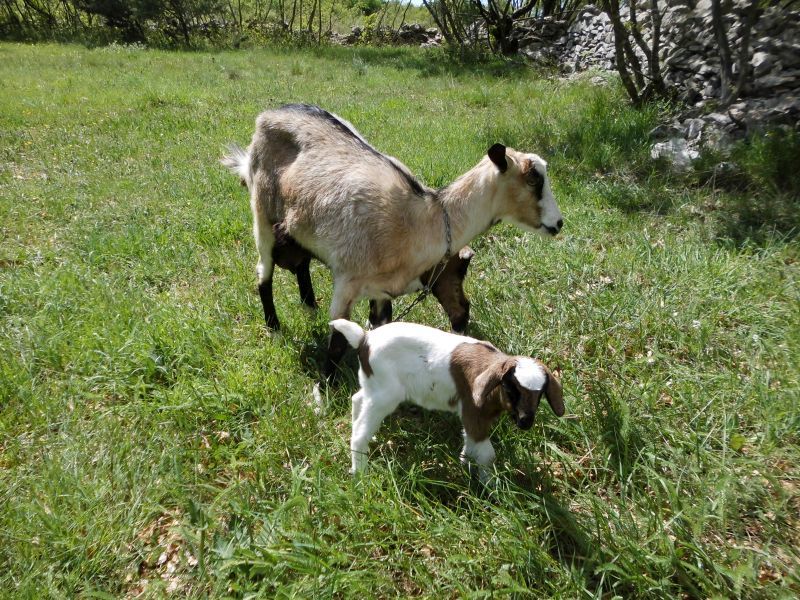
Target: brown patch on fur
[
  {"x": 286, "y": 252},
  {"x": 363, "y": 357},
  {"x": 448, "y": 287},
  {"x": 467, "y": 363}
]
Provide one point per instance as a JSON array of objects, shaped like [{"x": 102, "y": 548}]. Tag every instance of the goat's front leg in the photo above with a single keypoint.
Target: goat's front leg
[
  {"x": 482, "y": 453},
  {"x": 372, "y": 411},
  {"x": 265, "y": 240},
  {"x": 456, "y": 306},
  {"x": 380, "y": 312}
]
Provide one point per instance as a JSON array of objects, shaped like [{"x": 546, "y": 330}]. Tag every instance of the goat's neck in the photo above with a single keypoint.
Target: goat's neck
[{"x": 470, "y": 203}]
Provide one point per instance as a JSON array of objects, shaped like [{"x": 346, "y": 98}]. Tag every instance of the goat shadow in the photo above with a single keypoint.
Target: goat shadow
[{"x": 456, "y": 487}]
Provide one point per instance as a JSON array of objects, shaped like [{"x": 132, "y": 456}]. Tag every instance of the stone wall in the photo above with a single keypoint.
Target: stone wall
[
  {"x": 412, "y": 34},
  {"x": 691, "y": 66}
]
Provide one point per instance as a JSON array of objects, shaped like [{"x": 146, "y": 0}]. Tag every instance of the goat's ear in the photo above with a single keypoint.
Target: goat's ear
[
  {"x": 497, "y": 153},
  {"x": 554, "y": 392},
  {"x": 491, "y": 377}
]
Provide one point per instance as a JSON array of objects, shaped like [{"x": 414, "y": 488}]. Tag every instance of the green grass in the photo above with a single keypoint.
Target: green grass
[{"x": 155, "y": 441}]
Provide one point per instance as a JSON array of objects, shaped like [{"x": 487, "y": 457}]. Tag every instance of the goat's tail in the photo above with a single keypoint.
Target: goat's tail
[
  {"x": 238, "y": 161},
  {"x": 352, "y": 331}
]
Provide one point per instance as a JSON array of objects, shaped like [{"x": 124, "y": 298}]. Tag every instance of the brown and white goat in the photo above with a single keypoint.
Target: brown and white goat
[
  {"x": 442, "y": 371},
  {"x": 365, "y": 215},
  {"x": 446, "y": 281}
]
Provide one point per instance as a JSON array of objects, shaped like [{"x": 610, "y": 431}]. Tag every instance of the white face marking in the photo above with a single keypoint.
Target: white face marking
[
  {"x": 530, "y": 374},
  {"x": 550, "y": 214}
]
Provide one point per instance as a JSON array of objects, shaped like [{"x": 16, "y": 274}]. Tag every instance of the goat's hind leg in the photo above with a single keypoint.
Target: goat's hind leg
[
  {"x": 303, "y": 274},
  {"x": 288, "y": 254},
  {"x": 366, "y": 423},
  {"x": 265, "y": 240}
]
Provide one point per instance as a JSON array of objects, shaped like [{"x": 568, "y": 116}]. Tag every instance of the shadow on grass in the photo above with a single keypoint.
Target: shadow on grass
[
  {"x": 621, "y": 436},
  {"x": 757, "y": 220},
  {"x": 747, "y": 197}
]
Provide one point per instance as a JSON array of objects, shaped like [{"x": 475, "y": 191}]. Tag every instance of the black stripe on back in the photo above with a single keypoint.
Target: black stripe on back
[{"x": 323, "y": 114}]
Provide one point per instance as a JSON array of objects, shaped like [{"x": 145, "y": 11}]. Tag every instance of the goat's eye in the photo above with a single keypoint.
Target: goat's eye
[
  {"x": 536, "y": 182},
  {"x": 511, "y": 392}
]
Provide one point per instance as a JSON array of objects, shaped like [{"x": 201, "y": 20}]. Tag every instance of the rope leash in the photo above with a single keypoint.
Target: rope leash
[{"x": 437, "y": 270}]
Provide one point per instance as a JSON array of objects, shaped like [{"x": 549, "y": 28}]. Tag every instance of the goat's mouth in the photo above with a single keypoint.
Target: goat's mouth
[
  {"x": 525, "y": 422},
  {"x": 552, "y": 230}
]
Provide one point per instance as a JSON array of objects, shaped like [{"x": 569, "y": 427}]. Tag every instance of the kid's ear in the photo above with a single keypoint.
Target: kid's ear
[
  {"x": 488, "y": 380},
  {"x": 554, "y": 392},
  {"x": 497, "y": 154}
]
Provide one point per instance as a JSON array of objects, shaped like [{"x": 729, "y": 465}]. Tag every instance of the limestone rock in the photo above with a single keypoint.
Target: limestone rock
[{"x": 676, "y": 152}]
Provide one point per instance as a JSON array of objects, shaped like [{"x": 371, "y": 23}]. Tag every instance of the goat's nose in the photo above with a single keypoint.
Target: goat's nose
[
  {"x": 525, "y": 422},
  {"x": 554, "y": 230}
]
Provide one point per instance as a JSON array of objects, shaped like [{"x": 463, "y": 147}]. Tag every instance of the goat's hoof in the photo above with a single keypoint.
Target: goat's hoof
[{"x": 320, "y": 403}]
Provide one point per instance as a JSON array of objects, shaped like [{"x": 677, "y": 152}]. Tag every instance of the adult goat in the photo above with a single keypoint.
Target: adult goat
[{"x": 365, "y": 215}]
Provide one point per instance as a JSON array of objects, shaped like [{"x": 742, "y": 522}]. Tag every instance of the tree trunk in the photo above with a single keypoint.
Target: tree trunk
[
  {"x": 620, "y": 35},
  {"x": 725, "y": 71},
  {"x": 745, "y": 77}
]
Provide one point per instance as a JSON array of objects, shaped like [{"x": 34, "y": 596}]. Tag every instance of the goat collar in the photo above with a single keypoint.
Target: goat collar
[{"x": 448, "y": 234}]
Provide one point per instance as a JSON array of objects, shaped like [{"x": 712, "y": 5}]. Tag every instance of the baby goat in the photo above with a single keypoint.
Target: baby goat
[
  {"x": 446, "y": 281},
  {"x": 443, "y": 371},
  {"x": 365, "y": 215}
]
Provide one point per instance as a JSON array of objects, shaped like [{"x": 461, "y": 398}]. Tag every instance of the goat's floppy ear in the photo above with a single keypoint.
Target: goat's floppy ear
[
  {"x": 491, "y": 377},
  {"x": 497, "y": 153},
  {"x": 554, "y": 393}
]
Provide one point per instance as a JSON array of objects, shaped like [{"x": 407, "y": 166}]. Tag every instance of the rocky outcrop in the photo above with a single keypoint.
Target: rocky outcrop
[
  {"x": 691, "y": 66},
  {"x": 690, "y": 63},
  {"x": 412, "y": 34}
]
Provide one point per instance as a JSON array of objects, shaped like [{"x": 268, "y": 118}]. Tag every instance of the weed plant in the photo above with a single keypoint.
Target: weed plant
[{"x": 155, "y": 441}]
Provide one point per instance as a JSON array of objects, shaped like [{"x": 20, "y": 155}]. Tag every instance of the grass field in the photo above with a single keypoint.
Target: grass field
[{"x": 155, "y": 441}]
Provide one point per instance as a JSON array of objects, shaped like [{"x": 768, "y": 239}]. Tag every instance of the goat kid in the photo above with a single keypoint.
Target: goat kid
[
  {"x": 446, "y": 281},
  {"x": 442, "y": 371},
  {"x": 365, "y": 215}
]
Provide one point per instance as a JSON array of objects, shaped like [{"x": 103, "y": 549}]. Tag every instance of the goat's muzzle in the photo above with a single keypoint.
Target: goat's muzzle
[
  {"x": 525, "y": 422},
  {"x": 554, "y": 230}
]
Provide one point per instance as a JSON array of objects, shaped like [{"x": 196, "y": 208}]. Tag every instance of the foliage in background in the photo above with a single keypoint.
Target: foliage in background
[
  {"x": 188, "y": 23},
  {"x": 643, "y": 83},
  {"x": 501, "y": 18},
  {"x": 464, "y": 24}
]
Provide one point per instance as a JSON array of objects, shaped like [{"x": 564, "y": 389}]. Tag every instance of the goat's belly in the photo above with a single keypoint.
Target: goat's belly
[
  {"x": 414, "y": 286},
  {"x": 436, "y": 395}
]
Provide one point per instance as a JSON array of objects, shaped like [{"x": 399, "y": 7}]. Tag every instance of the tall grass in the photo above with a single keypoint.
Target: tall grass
[{"x": 155, "y": 441}]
